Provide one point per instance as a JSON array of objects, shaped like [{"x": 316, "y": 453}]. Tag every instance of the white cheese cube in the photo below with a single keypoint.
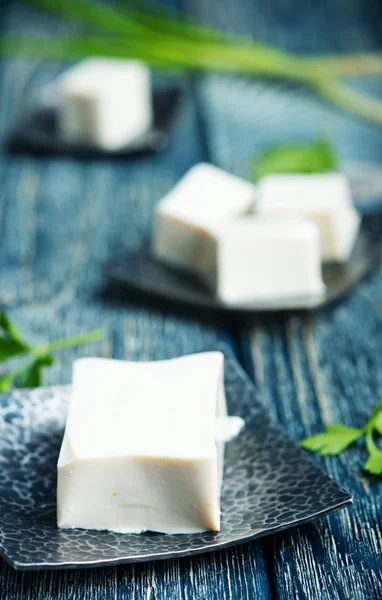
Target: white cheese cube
[
  {"x": 139, "y": 449},
  {"x": 105, "y": 102},
  {"x": 205, "y": 195},
  {"x": 254, "y": 258},
  {"x": 325, "y": 199}
]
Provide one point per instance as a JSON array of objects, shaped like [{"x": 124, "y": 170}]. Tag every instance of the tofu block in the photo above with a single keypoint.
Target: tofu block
[
  {"x": 205, "y": 195},
  {"x": 105, "y": 102},
  {"x": 255, "y": 258},
  {"x": 325, "y": 199},
  {"x": 139, "y": 449}
]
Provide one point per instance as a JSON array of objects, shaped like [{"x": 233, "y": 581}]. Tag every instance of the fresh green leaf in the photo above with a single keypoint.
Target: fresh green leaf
[
  {"x": 6, "y": 381},
  {"x": 334, "y": 440},
  {"x": 32, "y": 375},
  {"x": 10, "y": 328},
  {"x": 46, "y": 360},
  {"x": 11, "y": 343},
  {"x": 373, "y": 464},
  {"x": 295, "y": 158},
  {"x": 375, "y": 420},
  {"x": 337, "y": 438},
  {"x": 10, "y": 348}
]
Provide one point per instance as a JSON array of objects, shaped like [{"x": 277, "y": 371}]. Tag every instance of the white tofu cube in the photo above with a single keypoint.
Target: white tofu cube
[
  {"x": 205, "y": 195},
  {"x": 325, "y": 199},
  {"x": 139, "y": 449},
  {"x": 254, "y": 258},
  {"x": 105, "y": 102}
]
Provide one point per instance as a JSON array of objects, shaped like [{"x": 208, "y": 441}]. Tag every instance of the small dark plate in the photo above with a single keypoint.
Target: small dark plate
[
  {"x": 269, "y": 484},
  {"x": 36, "y": 131},
  {"x": 141, "y": 272}
]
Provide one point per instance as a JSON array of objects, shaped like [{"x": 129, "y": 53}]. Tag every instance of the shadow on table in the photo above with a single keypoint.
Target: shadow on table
[{"x": 117, "y": 294}]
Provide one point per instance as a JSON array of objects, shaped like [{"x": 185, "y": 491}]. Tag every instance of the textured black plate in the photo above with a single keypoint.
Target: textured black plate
[
  {"x": 37, "y": 131},
  {"x": 269, "y": 484},
  {"x": 141, "y": 272}
]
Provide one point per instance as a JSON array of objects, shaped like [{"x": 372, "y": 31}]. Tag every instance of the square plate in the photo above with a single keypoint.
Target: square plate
[
  {"x": 269, "y": 484},
  {"x": 140, "y": 272},
  {"x": 36, "y": 131}
]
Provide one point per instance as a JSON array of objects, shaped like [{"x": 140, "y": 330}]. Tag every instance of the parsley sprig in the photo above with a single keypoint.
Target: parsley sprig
[
  {"x": 30, "y": 373},
  {"x": 336, "y": 438}
]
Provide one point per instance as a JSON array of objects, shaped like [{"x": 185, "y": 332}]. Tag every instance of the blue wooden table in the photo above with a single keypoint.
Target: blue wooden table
[{"x": 61, "y": 219}]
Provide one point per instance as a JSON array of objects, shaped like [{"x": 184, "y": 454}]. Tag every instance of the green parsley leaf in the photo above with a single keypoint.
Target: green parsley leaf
[
  {"x": 335, "y": 439},
  {"x": 376, "y": 418},
  {"x": 32, "y": 375},
  {"x": 295, "y": 158},
  {"x": 11, "y": 343},
  {"x": 373, "y": 464},
  {"x": 10, "y": 330},
  {"x": 6, "y": 381},
  {"x": 10, "y": 348}
]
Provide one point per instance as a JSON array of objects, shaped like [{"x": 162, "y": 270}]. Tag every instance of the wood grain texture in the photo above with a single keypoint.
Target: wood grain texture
[{"x": 320, "y": 372}]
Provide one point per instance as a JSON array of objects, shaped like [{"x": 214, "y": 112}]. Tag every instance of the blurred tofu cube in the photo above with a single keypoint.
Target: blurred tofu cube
[
  {"x": 105, "y": 102},
  {"x": 252, "y": 258},
  {"x": 325, "y": 199},
  {"x": 206, "y": 195}
]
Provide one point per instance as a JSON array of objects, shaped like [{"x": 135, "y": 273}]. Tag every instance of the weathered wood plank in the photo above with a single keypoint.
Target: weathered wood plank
[{"x": 325, "y": 368}]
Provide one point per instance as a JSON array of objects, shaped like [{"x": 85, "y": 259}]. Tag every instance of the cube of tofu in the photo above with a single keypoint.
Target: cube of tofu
[
  {"x": 254, "y": 258},
  {"x": 205, "y": 195},
  {"x": 105, "y": 102},
  {"x": 139, "y": 449},
  {"x": 325, "y": 199}
]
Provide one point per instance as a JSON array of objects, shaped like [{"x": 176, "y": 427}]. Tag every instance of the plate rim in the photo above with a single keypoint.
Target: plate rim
[
  {"x": 114, "y": 271},
  {"x": 66, "y": 565}
]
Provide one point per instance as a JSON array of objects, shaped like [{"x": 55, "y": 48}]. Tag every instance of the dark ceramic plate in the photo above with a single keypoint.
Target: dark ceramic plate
[
  {"x": 37, "y": 132},
  {"x": 269, "y": 484},
  {"x": 141, "y": 273}
]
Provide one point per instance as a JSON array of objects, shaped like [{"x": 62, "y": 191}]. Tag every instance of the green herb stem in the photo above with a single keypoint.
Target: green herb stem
[
  {"x": 345, "y": 65},
  {"x": 165, "y": 53},
  {"x": 348, "y": 98},
  {"x": 77, "y": 340}
]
